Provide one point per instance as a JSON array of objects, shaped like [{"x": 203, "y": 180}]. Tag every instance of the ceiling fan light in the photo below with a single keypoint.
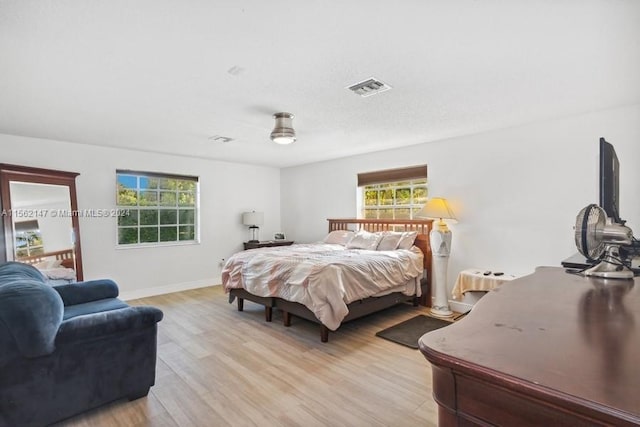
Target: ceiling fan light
[{"x": 283, "y": 132}]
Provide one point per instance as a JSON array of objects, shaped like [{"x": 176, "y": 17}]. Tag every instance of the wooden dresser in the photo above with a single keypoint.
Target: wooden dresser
[{"x": 548, "y": 349}]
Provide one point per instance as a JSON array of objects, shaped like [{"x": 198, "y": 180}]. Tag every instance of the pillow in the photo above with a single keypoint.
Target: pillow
[
  {"x": 407, "y": 239},
  {"x": 389, "y": 241},
  {"x": 339, "y": 237},
  {"x": 365, "y": 240},
  {"x": 42, "y": 265},
  {"x": 48, "y": 264}
]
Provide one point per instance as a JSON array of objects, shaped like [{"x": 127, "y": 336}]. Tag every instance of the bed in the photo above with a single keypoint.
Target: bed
[
  {"x": 56, "y": 266},
  {"x": 330, "y": 285}
]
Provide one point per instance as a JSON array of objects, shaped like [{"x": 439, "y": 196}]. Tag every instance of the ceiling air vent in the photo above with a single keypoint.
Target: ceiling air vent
[
  {"x": 220, "y": 138},
  {"x": 369, "y": 87}
]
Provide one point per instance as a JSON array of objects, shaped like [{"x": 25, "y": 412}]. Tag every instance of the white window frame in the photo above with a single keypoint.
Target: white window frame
[
  {"x": 31, "y": 250},
  {"x": 127, "y": 209},
  {"x": 413, "y": 177}
]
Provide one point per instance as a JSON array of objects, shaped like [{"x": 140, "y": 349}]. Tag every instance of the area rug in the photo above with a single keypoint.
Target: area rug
[{"x": 409, "y": 332}]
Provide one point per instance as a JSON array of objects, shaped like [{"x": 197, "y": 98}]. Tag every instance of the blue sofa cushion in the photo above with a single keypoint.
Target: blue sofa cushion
[
  {"x": 106, "y": 304},
  {"x": 90, "y": 290},
  {"x": 30, "y": 311},
  {"x": 106, "y": 323},
  {"x": 17, "y": 271}
]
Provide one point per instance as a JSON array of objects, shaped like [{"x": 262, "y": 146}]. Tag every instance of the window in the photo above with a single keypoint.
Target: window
[
  {"x": 393, "y": 193},
  {"x": 28, "y": 239},
  {"x": 156, "y": 208}
]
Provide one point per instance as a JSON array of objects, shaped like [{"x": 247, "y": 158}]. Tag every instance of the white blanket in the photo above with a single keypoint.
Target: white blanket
[
  {"x": 59, "y": 273},
  {"x": 324, "y": 277}
]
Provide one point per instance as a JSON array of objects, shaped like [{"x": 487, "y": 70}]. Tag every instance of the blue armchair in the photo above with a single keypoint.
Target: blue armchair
[{"x": 69, "y": 348}]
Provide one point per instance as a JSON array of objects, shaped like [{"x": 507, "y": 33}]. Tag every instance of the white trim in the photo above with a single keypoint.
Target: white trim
[
  {"x": 460, "y": 307},
  {"x": 139, "y": 175},
  {"x": 166, "y": 289},
  {"x": 157, "y": 244}
]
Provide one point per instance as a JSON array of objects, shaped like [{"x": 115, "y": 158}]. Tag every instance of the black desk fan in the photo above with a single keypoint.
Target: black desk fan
[{"x": 600, "y": 239}]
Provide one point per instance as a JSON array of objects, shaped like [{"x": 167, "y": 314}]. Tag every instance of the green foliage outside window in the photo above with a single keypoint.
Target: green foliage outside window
[
  {"x": 394, "y": 200},
  {"x": 29, "y": 243},
  {"x": 161, "y": 209}
]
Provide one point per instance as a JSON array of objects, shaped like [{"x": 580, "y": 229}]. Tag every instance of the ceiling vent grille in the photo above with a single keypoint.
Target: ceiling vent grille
[
  {"x": 369, "y": 87},
  {"x": 220, "y": 138}
]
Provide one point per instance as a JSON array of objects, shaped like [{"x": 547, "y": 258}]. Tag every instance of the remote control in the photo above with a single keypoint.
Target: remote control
[
  {"x": 486, "y": 273},
  {"x": 498, "y": 273}
]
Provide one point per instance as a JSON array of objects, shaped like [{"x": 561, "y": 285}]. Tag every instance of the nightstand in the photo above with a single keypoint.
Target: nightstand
[
  {"x": 267, "y": 244},
  {"x": 474, "y": 279}
]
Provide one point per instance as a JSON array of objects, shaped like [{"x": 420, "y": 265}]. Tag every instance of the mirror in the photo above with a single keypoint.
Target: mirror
[{"x": 41, "y": 227}]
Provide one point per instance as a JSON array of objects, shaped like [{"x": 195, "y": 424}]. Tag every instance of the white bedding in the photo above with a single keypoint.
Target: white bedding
[
  {"x": 324, "y": 277},
  {"x": 57, "y": 273}
]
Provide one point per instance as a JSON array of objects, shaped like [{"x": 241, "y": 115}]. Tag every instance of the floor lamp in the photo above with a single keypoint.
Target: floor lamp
[{"x": 440, "y": 239}]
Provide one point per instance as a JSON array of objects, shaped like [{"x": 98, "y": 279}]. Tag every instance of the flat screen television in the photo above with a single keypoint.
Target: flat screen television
[
  {"x": 610, "y": 181},
  {"x": 610, "y": 202}
]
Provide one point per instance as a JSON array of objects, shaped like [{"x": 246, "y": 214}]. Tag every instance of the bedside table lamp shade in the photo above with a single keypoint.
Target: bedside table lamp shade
[
  {"x": 440, "y": 239},
  {"x": 437, "y": 208},
  {"x": 253, "y": 220}
]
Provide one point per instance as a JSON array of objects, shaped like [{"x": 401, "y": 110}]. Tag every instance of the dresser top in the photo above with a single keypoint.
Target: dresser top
[{"x": 556, "y": 333}]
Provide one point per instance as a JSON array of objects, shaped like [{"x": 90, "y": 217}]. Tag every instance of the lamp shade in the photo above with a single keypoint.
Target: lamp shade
[
  {"x": 253, "y": 218},
  {"x": 283, "y": 132},
  {"x": 436, "y": 207}
]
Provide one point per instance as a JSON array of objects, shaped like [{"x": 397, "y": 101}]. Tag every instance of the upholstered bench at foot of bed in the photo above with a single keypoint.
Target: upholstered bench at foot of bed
[
  {"x": 289, "y": 308},
  {"x": 241, "y": 295},
  {"x": 357, "y": 309}
]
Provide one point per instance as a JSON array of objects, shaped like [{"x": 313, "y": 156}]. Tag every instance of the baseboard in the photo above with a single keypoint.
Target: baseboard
[
  {"x": 167, "y": 289},
  {"x": 460, "y": 307}
]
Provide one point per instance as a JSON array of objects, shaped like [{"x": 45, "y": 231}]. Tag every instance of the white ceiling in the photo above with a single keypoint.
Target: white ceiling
[{"x": 166, "y": 75}]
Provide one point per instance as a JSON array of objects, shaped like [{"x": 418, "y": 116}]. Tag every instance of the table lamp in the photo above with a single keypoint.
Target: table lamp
[
  {"x": 253, "y": 220},
  {"x": 440, "y": 239}
]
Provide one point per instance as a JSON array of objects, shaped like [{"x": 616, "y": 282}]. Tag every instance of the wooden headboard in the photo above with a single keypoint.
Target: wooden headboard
[
  {"x": 65, "y": 255},
  {"x": 421, "y": 226}
]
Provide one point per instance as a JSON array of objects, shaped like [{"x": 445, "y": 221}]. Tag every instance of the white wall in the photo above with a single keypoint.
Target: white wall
[
  {"x": 227, "y": 190},
  {"x": 515, "y": 191}
]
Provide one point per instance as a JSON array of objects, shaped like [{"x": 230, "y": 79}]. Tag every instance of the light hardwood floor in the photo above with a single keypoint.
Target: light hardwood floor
[{"x": 220, "y": 367}]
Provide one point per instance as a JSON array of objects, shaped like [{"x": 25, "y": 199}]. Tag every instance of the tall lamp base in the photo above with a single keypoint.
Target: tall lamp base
[
  {"x": 440, "y": 239},
  {"x": 441, "y": 312},
  {"x": 254, "y": 234}
]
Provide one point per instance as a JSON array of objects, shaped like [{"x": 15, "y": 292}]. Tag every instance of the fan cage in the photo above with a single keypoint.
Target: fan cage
[{"x": 590, "y": 222}]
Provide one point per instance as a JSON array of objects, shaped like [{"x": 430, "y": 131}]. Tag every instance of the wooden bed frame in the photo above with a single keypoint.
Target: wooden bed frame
[
  {"x": 65, "y": 255},
  {"x": 365, "y": 306}
]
